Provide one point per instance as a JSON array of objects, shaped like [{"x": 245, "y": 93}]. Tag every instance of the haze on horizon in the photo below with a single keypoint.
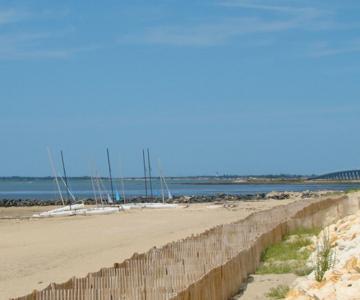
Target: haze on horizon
[{"x": 227, "y": 86}]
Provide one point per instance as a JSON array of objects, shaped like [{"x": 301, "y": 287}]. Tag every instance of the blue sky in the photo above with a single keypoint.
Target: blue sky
[{"x": 227, "y": 86}]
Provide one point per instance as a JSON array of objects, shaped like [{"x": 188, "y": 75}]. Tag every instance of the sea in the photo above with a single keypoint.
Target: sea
[{"x": 81, "y": 188}]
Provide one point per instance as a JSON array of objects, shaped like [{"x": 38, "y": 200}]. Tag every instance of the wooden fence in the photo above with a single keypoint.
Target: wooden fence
[{"x": 211, "y": 265}]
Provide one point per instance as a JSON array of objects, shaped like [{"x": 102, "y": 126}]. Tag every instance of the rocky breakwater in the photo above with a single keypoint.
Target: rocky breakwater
[
  {"x": 342, "y": 279},
  {"x": 250, "y": 197},
  {"x": 28, "y": 202},
  {"x": 217, "y": 198},
  {"x": 302, "y": 195},
  {"x": 178, "y": 199}
]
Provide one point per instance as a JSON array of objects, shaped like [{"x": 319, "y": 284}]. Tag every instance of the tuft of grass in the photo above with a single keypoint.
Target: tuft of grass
[
  {"x": 278, "y": 292},
  {"x": 325, "y": 256},
  {"x": 274, "y": 269}
]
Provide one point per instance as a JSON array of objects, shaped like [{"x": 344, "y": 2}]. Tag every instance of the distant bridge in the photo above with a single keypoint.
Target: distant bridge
[{"x": 342, "y": 175}]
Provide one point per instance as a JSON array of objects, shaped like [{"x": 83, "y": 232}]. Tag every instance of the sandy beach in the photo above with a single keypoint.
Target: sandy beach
[{"x": 35, "y": 252}]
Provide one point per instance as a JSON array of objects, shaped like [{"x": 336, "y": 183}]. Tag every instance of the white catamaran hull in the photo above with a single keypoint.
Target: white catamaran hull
[
  {"x": 148, "y": 205},
  {"x": 80, "y": 210},
  {"x": 62, "y": 211}
]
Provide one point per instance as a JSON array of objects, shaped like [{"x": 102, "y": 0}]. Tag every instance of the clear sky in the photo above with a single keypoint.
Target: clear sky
[{"x": 225, "y": 86}]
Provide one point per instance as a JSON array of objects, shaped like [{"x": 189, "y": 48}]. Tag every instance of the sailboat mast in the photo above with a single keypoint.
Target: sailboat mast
[
  {"x": 55, "y": 176},
  {"x": 161, "y": 182},
  {"x": 111, "y": 181},
  {"x": 65, "y": 177},
  {"x": 99, "y": 188},
  {"x": 149, "y": 165},
  {"x": 122, "y": 183},
  {"x": 164, "y": 181},
  {"x": 145, "y": 179},
  {"x": 94, "y": 191}
]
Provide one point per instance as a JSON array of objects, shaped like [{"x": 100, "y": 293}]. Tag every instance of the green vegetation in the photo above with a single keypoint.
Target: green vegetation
[
  {"x": 305, "y": 231},
  {"x": 349, "y": 191},
  {"x": 275, "y": 268},
  {"x": 287, "y": 250},
  {"x": 289, "y": 255},
  {"x": 325, "y": 256},
  {"x": 278, "y": 292}
]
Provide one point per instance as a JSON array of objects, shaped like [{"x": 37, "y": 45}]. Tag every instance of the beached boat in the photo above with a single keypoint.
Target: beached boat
[
  {"x": 163, "y": 184},
  {"x": 77, "y": 208},
  {"x": 148, "y": 205},
  {"x": 61, "y": 211},
  {"x": 80, "y": 211}
]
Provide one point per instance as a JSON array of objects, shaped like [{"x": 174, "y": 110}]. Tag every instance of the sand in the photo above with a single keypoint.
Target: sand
[
  {"x": 258, "y": 286},
  {"x": 35, "y": 252}
]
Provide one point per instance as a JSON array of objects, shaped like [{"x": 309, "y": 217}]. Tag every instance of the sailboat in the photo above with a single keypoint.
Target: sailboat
[
  {"x": 74, "y": 208},
  {"x": 66, "y": 210},
  {"x": 163, "y": 183},
  {"x": 122, "y": 186},
  {"x": 109, "y": 198}
]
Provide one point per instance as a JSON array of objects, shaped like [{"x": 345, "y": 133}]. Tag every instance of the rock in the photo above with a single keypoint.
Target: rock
[
  {"x": 343, "y": 280},
  {"x": 278, "y": 195}
]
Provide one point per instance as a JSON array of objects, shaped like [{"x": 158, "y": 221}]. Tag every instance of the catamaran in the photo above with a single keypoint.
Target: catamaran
[
  {"x": 73, "y": 208},
  {"x": 163, "y": 183},
  {"x": 66, "y": 210}
]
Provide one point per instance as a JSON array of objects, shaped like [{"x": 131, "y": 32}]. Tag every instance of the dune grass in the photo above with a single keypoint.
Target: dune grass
[
  {"x": 278, "y": 292},
  {"x": 289, "y": 255},
  {"x": 287, "y": 250},
  {"x": 272, "y": 268},
  {"x": 305, "y": 231},
  {"x": 325, "y": 256},
  {"x": 353, "y": 190}
]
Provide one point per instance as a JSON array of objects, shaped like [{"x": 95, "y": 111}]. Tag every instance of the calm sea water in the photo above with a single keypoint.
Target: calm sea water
[{"x": 82, "y": 188}]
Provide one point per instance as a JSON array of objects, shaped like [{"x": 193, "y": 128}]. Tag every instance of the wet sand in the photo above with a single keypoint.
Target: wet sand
[{"x": 35, "y": 252}]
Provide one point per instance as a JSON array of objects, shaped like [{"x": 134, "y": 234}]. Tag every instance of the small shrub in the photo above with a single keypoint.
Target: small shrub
[
  {"x": 278, "y": 292},
  {"x": 325, "y": 256}
]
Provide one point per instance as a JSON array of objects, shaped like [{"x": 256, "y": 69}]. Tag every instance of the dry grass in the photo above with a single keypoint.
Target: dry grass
[{"x": 278, "y": 292}]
